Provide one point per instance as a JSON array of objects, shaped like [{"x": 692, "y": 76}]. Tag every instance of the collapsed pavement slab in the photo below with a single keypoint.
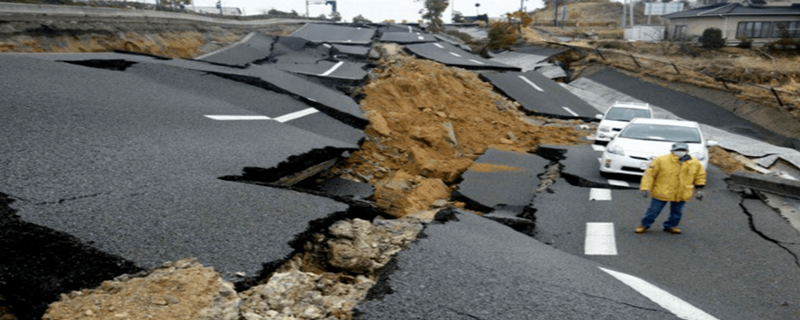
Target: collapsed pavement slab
[
  {"x": 132, "y": 167},
  {"x": 450, "y": 55},
  {"x": 331, "y": 33},
  {"x": 501, "y": 180},
  {"x": 488, "y": 270},
  {"x": 539, "y": 95},
  {"x": 252, "y": 48}
]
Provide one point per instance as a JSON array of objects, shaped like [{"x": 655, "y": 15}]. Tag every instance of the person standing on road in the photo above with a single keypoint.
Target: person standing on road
[{"x": 671, "y": 178}]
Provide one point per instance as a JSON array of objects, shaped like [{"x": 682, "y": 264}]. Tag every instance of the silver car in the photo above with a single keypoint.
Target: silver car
[
  {"x": 643, "y": 140},
  {"x": 617, "y": 117}
]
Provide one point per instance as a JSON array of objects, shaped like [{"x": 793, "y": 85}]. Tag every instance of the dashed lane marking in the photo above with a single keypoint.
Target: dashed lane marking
[
  {"x": 332, "y": 69},
  {"x": 531, "y": 83},
  {"x": 476, "y": 61},
  {"x": 438, "y": 45},
  {"x": 455, "y": 54},
  {"x": 296, "y": 115},
  {"x": 619, "y": 183},
  {"x": 570, "y": 111},
  {"x": 229, "y": 118},
  {"x": 600, "y": 239},
  {"x": 600, "y": 194},
  {"x": 673, "y": 304}
]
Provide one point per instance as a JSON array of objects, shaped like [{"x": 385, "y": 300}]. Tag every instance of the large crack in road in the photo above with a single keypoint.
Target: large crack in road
[{"x": 428, "y": 124}]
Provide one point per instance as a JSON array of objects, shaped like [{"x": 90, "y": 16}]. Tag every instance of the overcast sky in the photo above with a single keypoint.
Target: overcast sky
[{"x": 376, "y": 10}]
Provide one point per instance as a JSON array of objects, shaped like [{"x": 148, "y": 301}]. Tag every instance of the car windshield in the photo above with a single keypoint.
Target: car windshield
[
  {"x": 658, "y": 132},
  {"x": 626, "y": 114}
]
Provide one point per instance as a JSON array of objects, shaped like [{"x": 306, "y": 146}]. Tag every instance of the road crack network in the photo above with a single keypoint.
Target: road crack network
[{"x": 763, "y": 235}]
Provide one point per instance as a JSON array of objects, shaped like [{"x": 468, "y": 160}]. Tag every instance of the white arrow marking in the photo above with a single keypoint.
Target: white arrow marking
[
  {"x": 332, "y": 69},
  {"x": 296, "y": 115},
  {"x": 673, "y": 304},
  {"x": 228, "y": 118}
]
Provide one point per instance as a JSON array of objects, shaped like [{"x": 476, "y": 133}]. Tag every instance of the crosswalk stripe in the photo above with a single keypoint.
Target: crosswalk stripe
[
  {"x": 673, "y": 304},
  {"x": 600, "y": 239}
]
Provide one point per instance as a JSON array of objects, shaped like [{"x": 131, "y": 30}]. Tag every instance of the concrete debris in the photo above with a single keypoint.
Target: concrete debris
[
  {"x": 178, "y": 290},
  {"x": 549, "y": 177},
  {"x": 301, "y": 290}
]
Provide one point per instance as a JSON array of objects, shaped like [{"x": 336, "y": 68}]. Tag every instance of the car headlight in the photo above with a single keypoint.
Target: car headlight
[
  {"x": 615, "y": 150},
  {"x": 699, "y": 155},
  {"x": 604, "y": 129}
]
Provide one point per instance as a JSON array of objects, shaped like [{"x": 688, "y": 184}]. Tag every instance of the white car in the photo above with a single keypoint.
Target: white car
[
  {"x": 617, "y": 117},
  {"x": 644, "y": 139}
]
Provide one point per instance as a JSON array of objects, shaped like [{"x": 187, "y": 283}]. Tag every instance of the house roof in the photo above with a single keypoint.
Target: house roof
[{"x": 736, "y": 9}]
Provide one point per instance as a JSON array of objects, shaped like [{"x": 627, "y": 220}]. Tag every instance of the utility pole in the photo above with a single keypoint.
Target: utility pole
[
  {"x": 306, "y": 8},
  {"x": 555, "y": 13},
  {"x": 624, "y": 14}
]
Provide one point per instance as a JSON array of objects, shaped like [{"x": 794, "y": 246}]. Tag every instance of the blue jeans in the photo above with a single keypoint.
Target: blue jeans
[{"x": 675, "y": 214}]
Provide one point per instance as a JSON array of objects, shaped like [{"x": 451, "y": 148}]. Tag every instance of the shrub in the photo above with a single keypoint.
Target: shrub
[
  {"x": 503, "y": 35},
  {"x": 745, "y": 42},
  {"x": 712, "y": 39}
]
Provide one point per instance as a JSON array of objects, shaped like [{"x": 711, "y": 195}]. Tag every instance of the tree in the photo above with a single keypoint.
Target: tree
[
  {"x": 434, "y": 13},
  {"x": 335, "y": 16},
  {"x": 360, "y": 19}
]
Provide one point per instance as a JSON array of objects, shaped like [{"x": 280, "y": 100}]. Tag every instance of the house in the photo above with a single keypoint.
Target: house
[
  {"x": 227, "y": 11},
  {"x": 756, "y": 20}
]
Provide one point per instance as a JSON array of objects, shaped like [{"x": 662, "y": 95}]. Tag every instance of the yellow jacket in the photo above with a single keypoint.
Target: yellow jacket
[{"x": 668, "y": 179}]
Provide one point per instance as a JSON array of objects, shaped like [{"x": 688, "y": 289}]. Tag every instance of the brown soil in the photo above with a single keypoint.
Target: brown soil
[
  {"x": 431, "y": 122},
  {"x": 722, "y": 159}
]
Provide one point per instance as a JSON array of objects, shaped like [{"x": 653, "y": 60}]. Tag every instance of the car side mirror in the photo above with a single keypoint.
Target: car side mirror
[
  {"x": 598, "y": 116},
  {"x": 711, "y": 143}
]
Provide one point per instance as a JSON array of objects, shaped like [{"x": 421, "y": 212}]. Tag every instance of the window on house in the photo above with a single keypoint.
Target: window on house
[
  {"x": 753, "y": 29},
  {"x": 790, "y": 29},
  {"x": 680, "y": 33}
]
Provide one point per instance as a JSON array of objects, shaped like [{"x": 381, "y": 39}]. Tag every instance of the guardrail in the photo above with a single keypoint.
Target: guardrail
[{"x": 9, "y": 10}]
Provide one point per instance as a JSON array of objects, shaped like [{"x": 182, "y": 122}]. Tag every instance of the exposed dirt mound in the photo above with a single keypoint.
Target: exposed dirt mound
[
  {"x": 431, "y": 122},
  {"x": 181, "y": 40},
  {"x": 722, "y": 159}
]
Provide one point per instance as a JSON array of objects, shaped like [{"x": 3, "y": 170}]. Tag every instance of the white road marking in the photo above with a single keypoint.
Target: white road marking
[
  {"x": 531, "y": 83},
  {"x": 228, "y": 118},
  {"x": 438, "y": 45},
  {"x": 326, "y": 45},
  {"x": 476, "y": 61},
  {"x": 597, "y": 147},
  {"x": 600, "y": 194},
  {"x": 618, "y": 183},
  {"x": 332, "y": 69},
  {"x": 455, "y": 54},
  {"x": 678, "y": 307},
  {"x": 409, "y": 29},
  {"x": 295, "y": 115},
  {"x": 421, "y": 37},
  {"x": 600, "y": 239},
  {"x": 570, "y": 111}
]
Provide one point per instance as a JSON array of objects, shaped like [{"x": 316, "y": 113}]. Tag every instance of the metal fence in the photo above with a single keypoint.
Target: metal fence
[{"x": 789, "y": 101}]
